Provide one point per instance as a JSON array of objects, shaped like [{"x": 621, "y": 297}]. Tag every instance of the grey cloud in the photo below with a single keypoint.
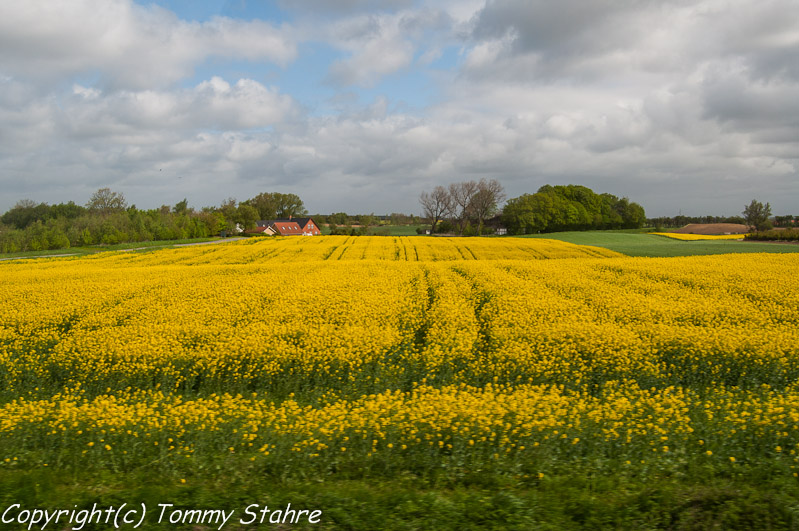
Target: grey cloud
[
  {"x": 356, "y": 29},
  {"x": 539, "y": 41},
  {"x": 551, "y": 39},
  {"x": 540, "y": 25},
  {"x": 735, "y": 100},
  {"x": 346, "y": 163},
  {"x": 417, "y": 23},
  {"x": 763, "y": 34}
]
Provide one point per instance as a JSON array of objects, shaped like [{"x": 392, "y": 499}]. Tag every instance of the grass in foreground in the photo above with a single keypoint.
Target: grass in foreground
[
  {"x": 577, "y": 501},
  {"x": 653, "y": 245}
]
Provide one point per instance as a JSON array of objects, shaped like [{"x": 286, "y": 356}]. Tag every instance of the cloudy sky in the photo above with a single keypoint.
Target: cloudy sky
[{"x": 359, "y": 105}]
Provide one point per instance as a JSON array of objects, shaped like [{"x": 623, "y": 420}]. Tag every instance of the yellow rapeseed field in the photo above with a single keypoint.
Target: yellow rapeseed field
[
  {"x": 398, "y": 353},
  {"x": 696, "y": 237}
]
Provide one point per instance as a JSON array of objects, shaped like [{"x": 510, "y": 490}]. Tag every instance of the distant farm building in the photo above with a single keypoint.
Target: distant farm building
[
  {"x": 287, "y": 227},
  {"x": 496, "y": 224}
]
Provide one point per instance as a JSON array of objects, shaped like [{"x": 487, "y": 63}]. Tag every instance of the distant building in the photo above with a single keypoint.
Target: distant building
[
  {"x": 287, "y": 227},
  {"x": 496, "y": 224}
]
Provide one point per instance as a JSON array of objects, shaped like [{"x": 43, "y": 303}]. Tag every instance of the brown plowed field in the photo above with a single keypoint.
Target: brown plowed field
[{"x": 712, "y": 229}]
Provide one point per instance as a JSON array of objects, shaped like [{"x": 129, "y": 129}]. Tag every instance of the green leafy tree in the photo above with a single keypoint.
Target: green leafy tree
[
  {"x": 526, "y": 214},
  {"x": 289, "y": 205},
  {"x": 339, "y": 218},
  {"x": 181, "y": 207},
  {"x": 246, "y": 216},
  {"x": 67, "y": 210},
  {"x": 228, "y": 209},
  {"x": 265, "y": 204},
  {"x": 24, "y": 213},
  {"x": 559, "y": 208},
  {"x": 276, "y": 205},
  {"x": 756, "y": 215},
  {"x": 367, "y": 220}
]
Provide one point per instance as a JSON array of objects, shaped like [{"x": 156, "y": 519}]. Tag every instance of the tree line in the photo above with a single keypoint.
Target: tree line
[
  {"x": 570, "y": 207},
  {"x": 107, "y": 219},
  {"x": 467, "y": 208},
  {"x": 473, "y": 207},
  {"x": 755, "y": 216},
  {"x": 680, "y": 220}
]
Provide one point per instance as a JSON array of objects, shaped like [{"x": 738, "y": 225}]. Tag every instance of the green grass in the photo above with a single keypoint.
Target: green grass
[
  {"x": 47, "y": 252},
  {"x": 398, "y": 230},
  {"x": 156, "y": 243},
  {"x": 640, "y": 244},
  {"x": 384, "y": 230},
  {"x": 92, "y": 249},
  {"x": 574, "y": 501}
]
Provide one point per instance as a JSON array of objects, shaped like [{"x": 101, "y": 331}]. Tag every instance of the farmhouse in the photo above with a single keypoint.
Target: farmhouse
[
  {"x": 288, "y": 227},
  {"x": 496, "y": 224}
]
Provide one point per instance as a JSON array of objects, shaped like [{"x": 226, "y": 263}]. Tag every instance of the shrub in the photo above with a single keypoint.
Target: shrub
[{"x": 775, "y": 235}]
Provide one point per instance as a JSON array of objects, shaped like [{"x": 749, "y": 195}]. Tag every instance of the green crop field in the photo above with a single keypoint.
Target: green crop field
[
  {"x": 93, "y": 249},
  {"x": 383, "y": 230},
  {"x": 633, "y": 244}
]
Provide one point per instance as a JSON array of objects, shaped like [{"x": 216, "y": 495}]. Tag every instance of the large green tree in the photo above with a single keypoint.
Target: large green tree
[
  {"x": 274, "y": 205},
  {"x": 571, "y": 207},
  {"x": 756, "y": 215}
]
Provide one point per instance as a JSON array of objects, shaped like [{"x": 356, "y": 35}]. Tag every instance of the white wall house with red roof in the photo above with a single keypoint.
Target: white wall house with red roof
[{"x": 288, "y": 227}]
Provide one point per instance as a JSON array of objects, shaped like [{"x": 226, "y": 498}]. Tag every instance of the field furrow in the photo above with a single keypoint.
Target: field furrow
[{"x": 389, "y": 355}]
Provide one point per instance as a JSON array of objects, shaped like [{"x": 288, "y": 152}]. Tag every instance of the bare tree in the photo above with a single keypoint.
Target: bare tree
[
  {"x": 462, "y": 194},
  {"x": 436, "y": 205},
  {"x": 486, "y": 200}
]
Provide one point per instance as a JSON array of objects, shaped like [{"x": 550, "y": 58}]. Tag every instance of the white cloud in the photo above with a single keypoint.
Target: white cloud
[
  {"x": 127, "y": 45},
  {"x": 375, "y": 45},
  {"x": 385, "y": 43},
  {"x": 675, "y": 104},
  {"x": 213, "y": 104},
  {"x": 367, "y": 65}
]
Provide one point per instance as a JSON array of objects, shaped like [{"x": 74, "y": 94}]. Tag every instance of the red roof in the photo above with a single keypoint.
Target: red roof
[
  {"x": 256, "y": 230},
  {"x": 287, "y": 228}
]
